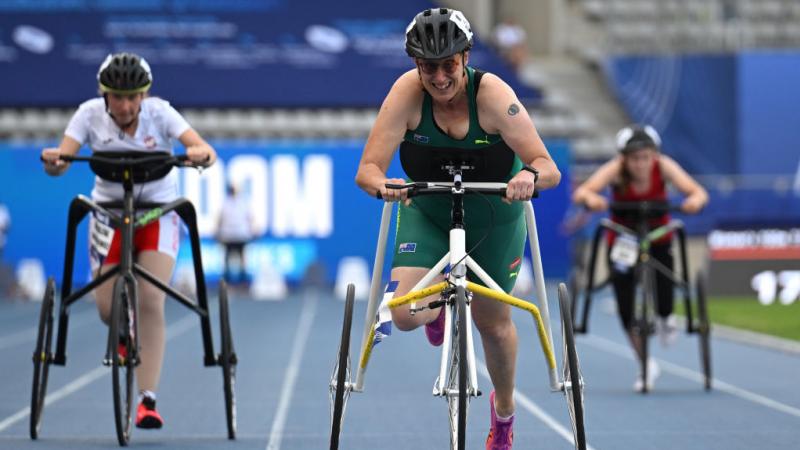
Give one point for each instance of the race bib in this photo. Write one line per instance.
(625, 250)
(101, 236)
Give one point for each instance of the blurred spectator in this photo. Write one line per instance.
(5, 224)
(510, 38)
(7, 282)
(234, 230)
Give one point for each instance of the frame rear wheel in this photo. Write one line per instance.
(340, 390)
(42, 358)
(573, 380)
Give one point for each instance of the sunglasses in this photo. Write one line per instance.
(430, 68)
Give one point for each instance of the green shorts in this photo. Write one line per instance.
(423, 239)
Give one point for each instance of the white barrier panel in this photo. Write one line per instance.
(352, 269)
(269, 284)
(524, 285)
(31, 279)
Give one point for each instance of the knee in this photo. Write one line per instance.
(404, 321)
(151, 300)
(496, 329)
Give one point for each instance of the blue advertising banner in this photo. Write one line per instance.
(691, 100)
(717, 114)
(304, 206)
(213, 53)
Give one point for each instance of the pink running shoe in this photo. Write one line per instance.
(501, 433)
(435, 330)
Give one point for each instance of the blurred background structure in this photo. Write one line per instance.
(287, 92)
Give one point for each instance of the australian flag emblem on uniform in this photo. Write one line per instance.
(407, 247)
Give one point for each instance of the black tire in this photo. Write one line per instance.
(643, 323)
(227, 359)
(704, 330)
(122, 369)
(42, 358)
(341, 373)
(572, 371)
(574, 284)
(463, 397)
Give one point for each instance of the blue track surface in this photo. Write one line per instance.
(286, 352)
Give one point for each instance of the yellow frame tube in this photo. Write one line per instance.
(394, 303)
(547, 347)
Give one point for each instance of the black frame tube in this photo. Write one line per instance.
(79, 208)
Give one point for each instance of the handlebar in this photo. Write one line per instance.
(132, 166)
(425, 188)
(643, 209)
(130, 161)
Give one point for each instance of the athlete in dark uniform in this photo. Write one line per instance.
(444, 103)
(641, 173)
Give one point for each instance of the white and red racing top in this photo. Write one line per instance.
(159, 125)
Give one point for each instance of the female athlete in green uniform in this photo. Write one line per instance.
(444, 103)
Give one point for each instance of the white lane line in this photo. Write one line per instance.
(29, 335)
(176, 329)
(300, 339)
(692, 375)
(524, 401)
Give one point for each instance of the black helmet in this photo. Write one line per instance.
(124, 73)
(635, 137)
(438, 33)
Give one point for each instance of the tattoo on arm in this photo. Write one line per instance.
(513, 109)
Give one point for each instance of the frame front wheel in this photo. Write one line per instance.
(122, 345)
(227, 359)
(339, 388)
(573, 380)
(42, 358)
(704, 330)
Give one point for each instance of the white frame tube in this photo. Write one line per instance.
(541, 290)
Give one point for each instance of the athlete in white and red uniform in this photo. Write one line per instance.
(125, 119)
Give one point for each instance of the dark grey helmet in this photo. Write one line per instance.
(438, 33)
(635, 137)
(124, 73)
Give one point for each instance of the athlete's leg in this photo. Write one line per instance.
(665, 289)
(500, 255)
(406, 278)
(103, 293)
(624, 285)
(151, 318)
(499, 337)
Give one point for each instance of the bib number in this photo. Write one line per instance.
(101, 236)
(625, 251)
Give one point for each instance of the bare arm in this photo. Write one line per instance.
(588, 193)
(198, 150)
(500, 111)
(394, 118)
(52, 164)
(696, 196)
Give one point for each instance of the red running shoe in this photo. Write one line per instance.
(501, 433)
(146, 415)
(435, 330)
(122, 351)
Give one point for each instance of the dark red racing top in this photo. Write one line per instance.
(657, 192)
